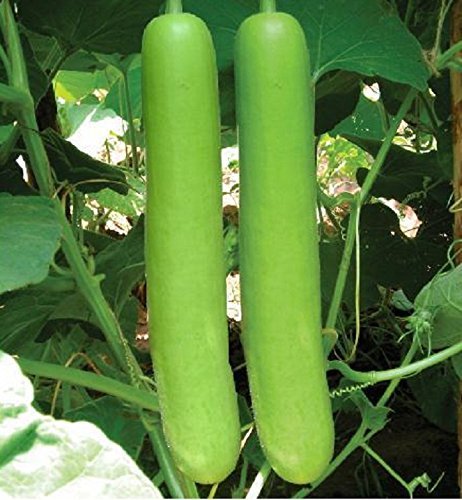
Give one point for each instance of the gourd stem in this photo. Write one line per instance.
(402, 371)
(174, 7)
(267, 5)
(96, 382)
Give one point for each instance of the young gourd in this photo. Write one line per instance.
(184, 246)
(279, 261)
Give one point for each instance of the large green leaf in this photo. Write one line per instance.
(52, 57)
(25, 312)
(442, 297)
(73, 166)
(362, 36)
(29, 237)
(106, 26)
(41, 456)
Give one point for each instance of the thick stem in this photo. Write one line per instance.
(26, 111)
(15, 54)
(90, 288)
(92, 381)
(387, 394)
(35, 149)
(174, 7)
(267, 5)
(343, 271)
(395, 373)
(13, 96)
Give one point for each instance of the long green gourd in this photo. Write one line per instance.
(279, 261)
(184, 246)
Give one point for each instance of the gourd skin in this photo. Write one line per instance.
(184, 248)
(279, 260)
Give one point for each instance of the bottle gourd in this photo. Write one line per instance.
(184, 247)
(279, 261)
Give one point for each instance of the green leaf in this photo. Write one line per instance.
(82, 61)
(115, 98)
(365, 122)
(443, 298)
(41, 456)
(11, 179)
(74, 85)
(401, 302)
(122, 264)
(37, 79)
(123, 63)
(105, 26)
(131, 205)
(18, 328)
(72, 116)
(223, 20)
(362, 36)
(436, 391)
(74, 307)
(120, 424)
(30, 233)
(456, 362)
(51, 57)
(338, 92)
(73, 166)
